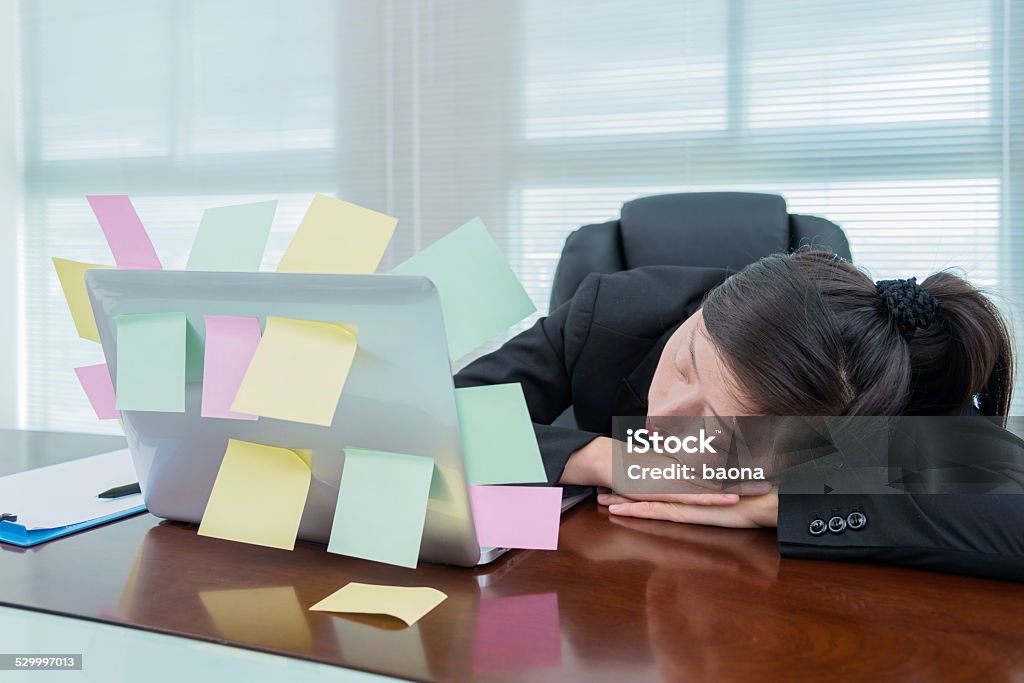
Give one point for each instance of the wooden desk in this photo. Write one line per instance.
(621, 600)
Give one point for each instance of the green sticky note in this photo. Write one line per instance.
(151, 362)
(382, 505)
(498, 441)
(232, 238)
(480, 295)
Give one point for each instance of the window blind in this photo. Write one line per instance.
(181, 105)
(899, 120)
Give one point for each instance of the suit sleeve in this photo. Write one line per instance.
(978, 534)
(536, 359)
(928, 526)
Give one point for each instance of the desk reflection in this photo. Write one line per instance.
(695, 635)
(637, 557)
(263, 603)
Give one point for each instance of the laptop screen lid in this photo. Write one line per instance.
(398, 396)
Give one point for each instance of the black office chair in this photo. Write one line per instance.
(710, 229)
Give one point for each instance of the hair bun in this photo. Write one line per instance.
(909, 304)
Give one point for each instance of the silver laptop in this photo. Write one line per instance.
(399, 394)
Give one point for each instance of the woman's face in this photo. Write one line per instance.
(691, 378)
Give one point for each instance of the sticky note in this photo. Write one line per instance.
(151, 362)
(410, 604)
(231, 342)
(498, 441)
(124, 232)
(480, 295)
(258, 496)
(298, 371)
(382, 505)
(267, 617)
(338, 237)
(516, 516)
(95, 380)
(517, 632)
(72, 280)
(232, 238)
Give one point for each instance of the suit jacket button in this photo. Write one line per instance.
(817, 527)
(837, 525)
(856, 520)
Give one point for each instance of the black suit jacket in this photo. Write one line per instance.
(598, 352)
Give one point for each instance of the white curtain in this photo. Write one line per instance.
(899, 119)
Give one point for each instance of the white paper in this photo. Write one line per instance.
(64, 494)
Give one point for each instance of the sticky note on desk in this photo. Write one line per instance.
(125, 233)
(498, 440)
(338, 237)
(516, 516)
(95, 380)
(232, 238)
(480, 295)
(258, 496)
(72, 280)
(231, 342)
(151, 362)
(408, 603)
(298, 371)
(382, 505)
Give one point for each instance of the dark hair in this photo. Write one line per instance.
(808, 334)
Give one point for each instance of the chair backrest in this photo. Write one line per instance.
(711, 229)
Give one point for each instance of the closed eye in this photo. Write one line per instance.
(679, 366)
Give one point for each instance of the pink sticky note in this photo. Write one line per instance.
(95, 379)
(517, 516)
(124, 232)
(517, 632)
(230, 342)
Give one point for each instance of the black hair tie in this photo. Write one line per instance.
(909, 304)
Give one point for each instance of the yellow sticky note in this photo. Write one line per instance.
(72, 280)
(409, 604)
(298, 371)
(338, 237)
(258, 496)
(268, 617)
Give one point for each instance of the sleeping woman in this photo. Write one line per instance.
(802, 334)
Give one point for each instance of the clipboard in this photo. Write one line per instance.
(16, 534)
(54, 501)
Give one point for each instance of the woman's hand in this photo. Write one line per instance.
(726, 509)
(590, 465)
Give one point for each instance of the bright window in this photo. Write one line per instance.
(901, 120)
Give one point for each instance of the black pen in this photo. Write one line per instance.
(121, 491)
